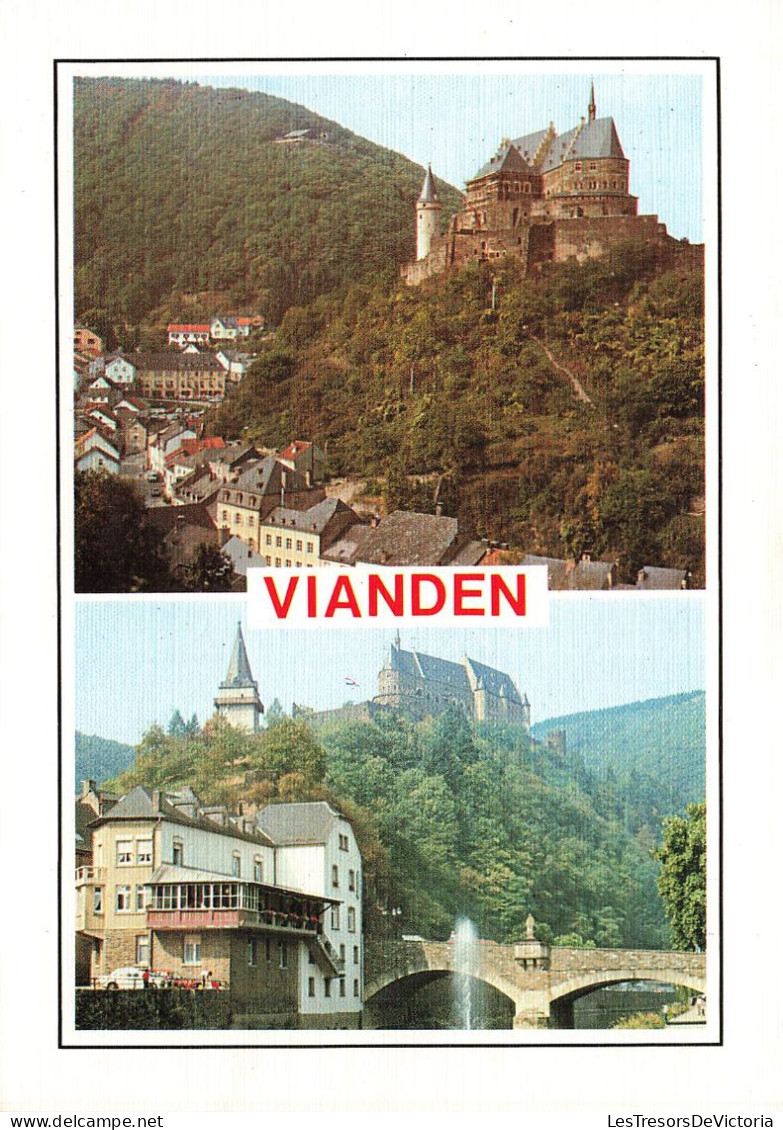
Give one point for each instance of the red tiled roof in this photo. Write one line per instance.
(176, 328)
(193, 446)
(295, 448)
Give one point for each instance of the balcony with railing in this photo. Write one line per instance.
(90, 875)
(232, 905)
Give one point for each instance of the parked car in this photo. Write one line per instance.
(132, 977)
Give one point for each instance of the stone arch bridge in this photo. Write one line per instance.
(542, 982)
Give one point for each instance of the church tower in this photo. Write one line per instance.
(428, 209)
(237, 699)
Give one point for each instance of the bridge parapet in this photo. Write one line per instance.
(565, 959)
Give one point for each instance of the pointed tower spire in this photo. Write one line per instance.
(429, 194)
(592, 107)
(239, 673)
(237, 699)
(428, 209)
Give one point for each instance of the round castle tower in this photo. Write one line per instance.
(428, 209)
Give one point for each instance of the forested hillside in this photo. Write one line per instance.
(100, 758)
(186, 204)
(567, 419)
(456, 818)
(660, 741)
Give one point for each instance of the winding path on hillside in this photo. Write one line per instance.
(577, 384)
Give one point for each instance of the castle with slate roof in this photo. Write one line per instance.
(422, 686)
(544, 197)
(418, 685)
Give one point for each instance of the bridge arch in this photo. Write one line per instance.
(580, 984)
(406, 998)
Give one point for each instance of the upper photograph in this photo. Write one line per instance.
(375, 317)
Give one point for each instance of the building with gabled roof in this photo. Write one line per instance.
(233, 899)
(419, 685)
(542, 197)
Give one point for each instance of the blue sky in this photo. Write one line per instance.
(456, 120)
(138, 660)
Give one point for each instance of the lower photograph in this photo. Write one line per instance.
(477, 835)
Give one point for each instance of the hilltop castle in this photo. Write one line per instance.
(421, 686)
(542, 198)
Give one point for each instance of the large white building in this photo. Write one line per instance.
(268, 903)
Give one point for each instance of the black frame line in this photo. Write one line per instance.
(341, 1046)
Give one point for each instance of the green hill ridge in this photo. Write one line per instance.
(187, 203)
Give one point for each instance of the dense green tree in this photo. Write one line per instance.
(177, 727)
(209, 570)
(683, 879)
(116, 548)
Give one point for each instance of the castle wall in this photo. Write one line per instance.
(592, 237)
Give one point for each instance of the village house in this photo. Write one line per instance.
(235, 363)
(267, 902)
(163, 441)
(298, 538)
(180, 463)
(243, 504)
(180, 376)
(305, 457)
(188, 333)
(405, 538)
(94, 451)
(86, 341)
(119, 369)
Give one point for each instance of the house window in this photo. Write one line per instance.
(356, 986)
(311, 986)
(258, 870)
(144, 851)
(335, 918)
(298, 545)
(191, 952)
(288, 543)
(278, 562)
(250, 520)
(356, 955)
(351, 880)
(342, 987)
(327, 986)
(97, 900)
(335, 875)
(142, 949)
(309, 547)
(343, 842)
(268, 951)
(123, 903)
(251, 951)
(278, 542)
(351, 919)
(342, 952)
(283, 955)
(288, 562)
(268, 539)
(238, 519)
(268, 560)
(236, 865)
(177, 853)
(141, 898)
(124, 851)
